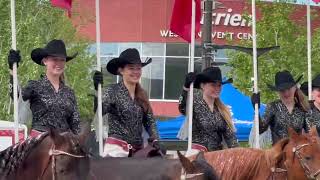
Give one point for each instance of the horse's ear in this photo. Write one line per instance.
(186, 163)
(276, 153)
(292, 133)
(55, 136)
(314, 131)
(85, 131)
(200, 156)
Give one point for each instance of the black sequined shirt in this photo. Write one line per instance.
(126, 122)
(208, 128)
(278, 118)
(314, 116)
(51, 109)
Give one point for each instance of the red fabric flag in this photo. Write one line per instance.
(63, 4)
(181, 18)
(316, 1)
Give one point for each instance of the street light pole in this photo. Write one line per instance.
(206, 33)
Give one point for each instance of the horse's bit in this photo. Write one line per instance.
(54, 152)
(304, 164)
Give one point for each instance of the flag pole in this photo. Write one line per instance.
(191, 69)
(14, 74)
(309, 50)
(255, 74)
(100, 123)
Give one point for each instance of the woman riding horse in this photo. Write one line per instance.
(126, 106)
(52, 102)
(211, 118)
(290, 111)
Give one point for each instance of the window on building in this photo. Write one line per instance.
(177, 49)
(176, 69)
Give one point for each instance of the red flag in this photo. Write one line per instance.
(63, 4)
(181, 18)
(316, 1)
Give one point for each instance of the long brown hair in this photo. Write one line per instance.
(142, 98)
(300, 100)
(225, 112)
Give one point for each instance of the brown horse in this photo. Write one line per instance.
(293, 158)
(49, 156)
(151, 169)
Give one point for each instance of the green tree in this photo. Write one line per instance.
(275, 27)
(37, 23)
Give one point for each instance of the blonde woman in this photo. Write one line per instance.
(212, 121)
(288, 111)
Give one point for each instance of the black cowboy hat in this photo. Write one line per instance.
(210, 74)
(284, 80)
(315, 84)
(55, 48)
(129, 56)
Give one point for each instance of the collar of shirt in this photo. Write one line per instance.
(47, 83)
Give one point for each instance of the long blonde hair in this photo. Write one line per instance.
(225, 112)
(301, 100)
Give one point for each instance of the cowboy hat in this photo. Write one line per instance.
(284, 80)
(129, 56)
(315, 84)
(55, 48)
(210, 74)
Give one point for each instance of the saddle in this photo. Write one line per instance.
(151, 150)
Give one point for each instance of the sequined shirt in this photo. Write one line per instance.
(278, 118)
(208, 128)
(51, 109)
(314, 116)
(126, 122)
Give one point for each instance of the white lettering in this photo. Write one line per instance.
(227, 19)
(235, 20)
(164, 33)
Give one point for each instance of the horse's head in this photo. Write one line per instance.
(300, 155)
(68, 158)
(198, 169)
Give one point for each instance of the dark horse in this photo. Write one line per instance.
(49, 156)
(151, 169)
(293, 158)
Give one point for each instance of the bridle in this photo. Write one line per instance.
(52, 154)
(304, 164)
(306, 168)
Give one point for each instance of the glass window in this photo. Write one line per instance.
(198, 51)
(152, 78)
(176, 69)
(107, 77)
(124, 46)
(177, 49)
(107, 49)
(153, 49)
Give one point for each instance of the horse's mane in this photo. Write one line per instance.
(232, 163)
(12, 157)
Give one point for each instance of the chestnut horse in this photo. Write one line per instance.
(110, 168)
(50, 156)
(293, 158)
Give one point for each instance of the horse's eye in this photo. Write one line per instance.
(308, 158)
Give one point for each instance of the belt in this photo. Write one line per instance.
(199, 147)
(125, 146)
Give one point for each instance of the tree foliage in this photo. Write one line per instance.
(37, 22)
(276, 27)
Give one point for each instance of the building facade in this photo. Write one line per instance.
(144, 24)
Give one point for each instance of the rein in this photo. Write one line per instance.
(303, 163)
(52, 154)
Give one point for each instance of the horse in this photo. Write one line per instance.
(151, 169)
(293, 158)
(49, 156)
